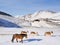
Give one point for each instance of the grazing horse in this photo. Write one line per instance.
(48, 33)
(19, 36)
(24, 32)
(34, 33)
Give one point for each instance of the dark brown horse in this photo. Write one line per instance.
(19, 36)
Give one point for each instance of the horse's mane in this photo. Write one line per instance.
(24, 34)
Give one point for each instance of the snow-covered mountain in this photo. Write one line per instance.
(40, 14)
(37, 19)
(44, 19)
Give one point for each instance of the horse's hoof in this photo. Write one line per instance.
(17, 41)
(21, 41)
(12, 42)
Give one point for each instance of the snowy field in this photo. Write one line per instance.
(54, 39)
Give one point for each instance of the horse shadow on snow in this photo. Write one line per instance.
(30, 40)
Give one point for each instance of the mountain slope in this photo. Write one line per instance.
(7, 20)
(52, 17)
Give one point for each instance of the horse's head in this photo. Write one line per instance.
(25, 35)
(51, 31)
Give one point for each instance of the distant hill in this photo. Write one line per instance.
(3, 13)
(7, 20)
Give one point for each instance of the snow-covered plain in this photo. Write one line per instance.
(6, 36)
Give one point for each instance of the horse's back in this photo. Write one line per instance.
(19, 35)
(23, 32)
(16, 35)
(47, 33)
(33, 33)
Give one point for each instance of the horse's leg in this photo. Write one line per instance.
(16, 40)
(12, 39)
(44, 34)
(21, 40)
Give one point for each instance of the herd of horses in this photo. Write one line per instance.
(24, 34)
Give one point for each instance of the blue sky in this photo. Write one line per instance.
(22, 7)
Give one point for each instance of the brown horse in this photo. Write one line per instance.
(24, 32)
(19, 36)
(35, 33)
(48, 33)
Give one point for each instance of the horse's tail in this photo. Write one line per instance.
(12, 38)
